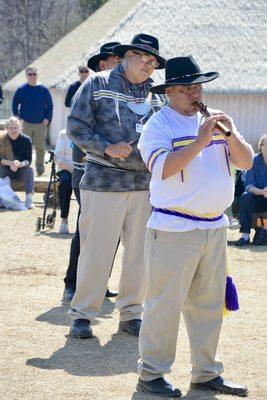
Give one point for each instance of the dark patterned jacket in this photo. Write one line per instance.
(100, 116)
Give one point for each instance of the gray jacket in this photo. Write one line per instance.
(100, 116)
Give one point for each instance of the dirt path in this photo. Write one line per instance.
(40, 361)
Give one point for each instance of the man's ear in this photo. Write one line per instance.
(168, 91)
(102, 65)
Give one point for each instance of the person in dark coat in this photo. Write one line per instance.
(106, 59)
(106, 119)
(83, 74)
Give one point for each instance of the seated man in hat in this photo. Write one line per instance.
(185, 249)
(105, 60)
(105, 120)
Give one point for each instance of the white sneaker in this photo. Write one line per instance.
(29, 203)
(64, 228)
(234, 224)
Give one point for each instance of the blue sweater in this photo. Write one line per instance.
(257, 175)
(32, 103)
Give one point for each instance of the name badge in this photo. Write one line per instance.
(139, 128)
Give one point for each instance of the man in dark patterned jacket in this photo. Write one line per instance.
(106, 120)
(103, 61)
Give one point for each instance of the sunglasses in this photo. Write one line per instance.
(84, 71)
(147, 59)
(32, 74)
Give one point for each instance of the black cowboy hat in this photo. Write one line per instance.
(183, 71)
(146, 43)
(105, 51)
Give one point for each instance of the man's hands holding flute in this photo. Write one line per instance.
(239, 151)
(207, 129)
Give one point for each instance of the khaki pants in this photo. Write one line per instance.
(186, 272)
(37, 133)
(106, 217)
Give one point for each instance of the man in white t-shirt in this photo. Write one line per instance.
(185, 249)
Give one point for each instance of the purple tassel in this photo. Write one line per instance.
(231, 296)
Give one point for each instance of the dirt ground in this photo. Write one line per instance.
(40, 361)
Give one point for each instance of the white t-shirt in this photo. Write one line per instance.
(63, 152)
(203, 190)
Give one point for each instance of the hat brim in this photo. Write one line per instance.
(194, 80)
(123, 48)
(92, 63)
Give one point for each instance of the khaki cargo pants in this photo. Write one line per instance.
(38, 134)
(186, 272)
(106, 217)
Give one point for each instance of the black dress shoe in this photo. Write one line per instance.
(68, 294)
(81, 329)
(158, 387)
(242, 242)
(132, 327)
(109, 293)
(221, 386)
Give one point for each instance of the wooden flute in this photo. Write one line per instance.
(221, 127)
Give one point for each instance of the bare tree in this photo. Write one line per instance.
(29, 28)
(89, 6)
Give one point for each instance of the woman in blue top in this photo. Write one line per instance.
(254, 199)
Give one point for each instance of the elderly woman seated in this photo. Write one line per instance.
(254, 199)
(16, 157)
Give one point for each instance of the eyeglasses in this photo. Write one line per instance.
(84, 71)
(190, 89)
(147, 59)
(32, 73)
(14, 127)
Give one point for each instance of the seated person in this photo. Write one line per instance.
(63, 159)
(254, 199)
(16, 157)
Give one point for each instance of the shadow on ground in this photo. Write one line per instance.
(251, 247)
(190, 395)
(89, 358)
(53, 234)
(59, 315)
